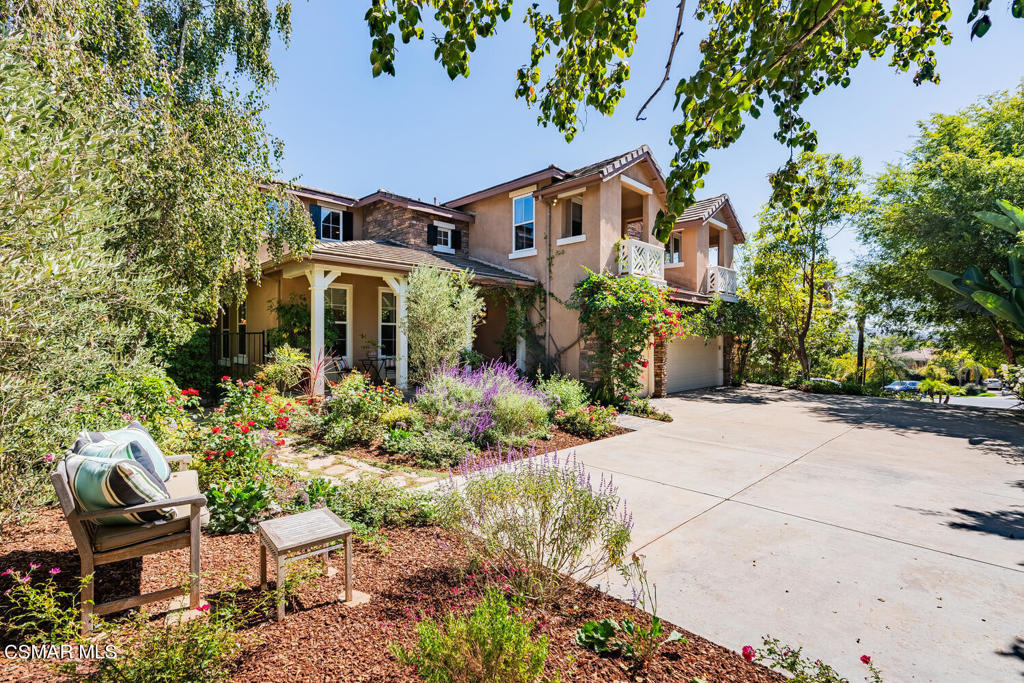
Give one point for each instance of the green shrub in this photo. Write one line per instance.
(775, 655)
(537, 521)
(641, 407)
(230, 450)
(189, 363)
(564, 392)
(37, 611)
(286, 367)
(588, 422)
(518, 417)
(434, 448)
(371, 502)
(237, 507)
(353, 412)
(248, 401)
(401, 415)
(972, 389)
(490, 645)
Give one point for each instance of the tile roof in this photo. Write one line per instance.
(414, 204)
(704, 209)
(610, 166)
(390, 254)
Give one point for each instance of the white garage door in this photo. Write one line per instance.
(694, 362)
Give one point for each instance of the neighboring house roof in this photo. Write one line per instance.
(608, 168)
(551, 171)
(315, 194)
(391, 254)
(919, 355)
(704, 209)
(415, 205)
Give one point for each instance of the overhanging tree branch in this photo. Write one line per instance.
(668, 65)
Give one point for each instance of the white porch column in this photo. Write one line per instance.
(319, 280)
(400, 286)
(521, 354)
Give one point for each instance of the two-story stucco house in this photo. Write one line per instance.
(541, 229)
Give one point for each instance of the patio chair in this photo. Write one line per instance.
(336, 369)
(105, 544)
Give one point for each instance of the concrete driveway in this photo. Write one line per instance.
(845, 525)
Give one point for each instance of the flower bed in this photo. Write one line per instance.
(321, 639)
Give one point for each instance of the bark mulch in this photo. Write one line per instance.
(560, 440)
(423, 574)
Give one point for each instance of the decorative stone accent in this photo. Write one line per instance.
(727, 359)
(385, 221)
(660, 370)
(589, 346)
(635, 229)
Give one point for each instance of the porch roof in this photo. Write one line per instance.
(396, 256)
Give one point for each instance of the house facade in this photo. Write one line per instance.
(538, 231)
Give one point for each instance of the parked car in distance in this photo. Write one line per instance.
(825, 379)
(902, 386)
(993, 384)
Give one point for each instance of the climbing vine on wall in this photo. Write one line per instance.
(625, 315)
(520, 304)
(293, 323)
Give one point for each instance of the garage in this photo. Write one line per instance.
(693, 363)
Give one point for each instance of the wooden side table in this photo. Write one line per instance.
(296, 537)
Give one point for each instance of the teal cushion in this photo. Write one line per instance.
(104, 483)
(112, 450)
(147, 451)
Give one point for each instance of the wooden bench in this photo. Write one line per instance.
(105, 544)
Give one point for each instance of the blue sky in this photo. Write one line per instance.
(422, 135)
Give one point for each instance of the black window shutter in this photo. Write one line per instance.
(456, 239)
(314, 213)
(346, 226)
(431, 235)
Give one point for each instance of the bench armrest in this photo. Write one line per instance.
(181, 458)
(196, 501)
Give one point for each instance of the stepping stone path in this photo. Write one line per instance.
(315, 460)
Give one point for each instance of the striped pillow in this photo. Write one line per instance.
(104, 483)
(146, 450)
(112, 450)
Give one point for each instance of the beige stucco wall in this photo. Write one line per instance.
(491, 241)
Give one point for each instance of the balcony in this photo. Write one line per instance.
(642, 259)
(722, 281)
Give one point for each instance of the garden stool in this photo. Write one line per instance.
(306, 534)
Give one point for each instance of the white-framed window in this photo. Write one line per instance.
(573, 218)
(387, 326)
(338, 314)
(673, 250)
(330, 225)
(522, 223)
(224, 329)
(242, 355)
(444, 240)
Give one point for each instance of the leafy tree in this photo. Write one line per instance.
(442, 311)
(791, 276)
(885, 354)
(755, 56)
(922, 217)
(195, 169)
(70, 312)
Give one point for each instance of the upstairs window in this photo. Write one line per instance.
(673, 250)
(522, 210)
(330, 226)
(573, 226)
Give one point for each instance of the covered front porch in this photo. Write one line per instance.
(355, 295)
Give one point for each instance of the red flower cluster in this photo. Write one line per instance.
(190, 392)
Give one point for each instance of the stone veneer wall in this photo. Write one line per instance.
(660, 370)
(383, 220)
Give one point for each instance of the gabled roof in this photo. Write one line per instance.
(705, 209)
(316, 194)
(393, 255)
(414, 204)
(608, 168)
(551, 171)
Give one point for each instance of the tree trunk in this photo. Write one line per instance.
(1011, 356)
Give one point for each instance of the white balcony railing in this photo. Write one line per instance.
(641, 258)
(721, 280)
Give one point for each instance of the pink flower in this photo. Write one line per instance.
(33, 566)
(55, 570)
(865, 658)
(203, 608)
(749, 653)
(7, 572)
(49, 457)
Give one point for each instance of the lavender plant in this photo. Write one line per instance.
(536, 521)
(490, 404)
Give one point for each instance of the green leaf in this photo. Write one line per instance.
(981, 27)
(675, 636)
(1000, 307)
(1013, 212)
(998, 220)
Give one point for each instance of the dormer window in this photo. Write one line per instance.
(332, 225)
(444, 237)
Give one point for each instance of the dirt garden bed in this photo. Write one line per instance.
(420, 575)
